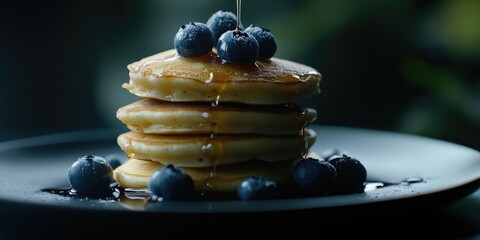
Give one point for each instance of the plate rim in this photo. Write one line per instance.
(465, 187)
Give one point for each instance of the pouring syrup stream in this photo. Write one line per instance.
(213, 150)
(239, 15)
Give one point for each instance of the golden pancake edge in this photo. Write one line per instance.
(136, 173)
(151, 116)
(197, 151)
(170, 77)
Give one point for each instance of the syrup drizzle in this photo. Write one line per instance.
(213, 149)
(264, 70)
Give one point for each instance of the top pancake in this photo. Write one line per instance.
(170, 77)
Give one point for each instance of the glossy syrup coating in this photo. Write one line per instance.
(170, 77)
(210, 69)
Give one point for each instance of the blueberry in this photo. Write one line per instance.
(171, 183)
(314, 176)
(90, 174)
(351, 174)
(220, 22)
(115, 160)
(237, 46)
(257, 188)
(193, 39)
(266, 40)
(331, 152)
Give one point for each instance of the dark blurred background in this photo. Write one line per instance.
(409, 66)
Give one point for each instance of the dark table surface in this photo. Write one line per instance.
(460, 219)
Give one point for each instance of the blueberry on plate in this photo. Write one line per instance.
(193, 39)
(257, 188)
(266, 41)
(314, 176)
(220, 22)
(115, 160)
(90, 174)
(171, 183)
(237, 46)
(351, 174)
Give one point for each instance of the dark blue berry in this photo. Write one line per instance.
(266, 41)
(257, 188)
(171, 183)
(220, 22)
(314, 176)
(332, 152)
(193, 39)
(237, 46)
(115, 160)
(351, 174)
(90, 174)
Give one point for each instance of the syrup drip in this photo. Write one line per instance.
(304, 122)
(213, 149)
(293, 95)
(264, 70)
(209, 69)
(126, 146)
(304, 148)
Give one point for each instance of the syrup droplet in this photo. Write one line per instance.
(210, 80)
(373, 185)
(213, 149)
(411, 180)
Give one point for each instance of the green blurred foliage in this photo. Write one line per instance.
(446, 68)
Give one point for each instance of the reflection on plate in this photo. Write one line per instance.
(410, 167)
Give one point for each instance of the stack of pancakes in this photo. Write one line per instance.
(220, 122)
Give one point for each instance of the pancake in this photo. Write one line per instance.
(203, 150)
(153, 116)
(136, 174)
(170, 77)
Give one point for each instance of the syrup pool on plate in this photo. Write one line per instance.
(139, 199)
